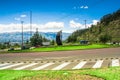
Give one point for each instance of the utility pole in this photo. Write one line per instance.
(22, 31)
(30, 23)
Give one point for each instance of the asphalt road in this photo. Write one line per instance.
(63, 55)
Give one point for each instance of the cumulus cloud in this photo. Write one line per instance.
(23, 15)
(95, 22)
(74, 24)
(42, 27)
(54, 25)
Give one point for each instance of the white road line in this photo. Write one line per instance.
(11, 65)
(4, 64)
(80, 65)
(26, 66)
(115, 62)
(61, 66)
(43, 66)
(98, 64)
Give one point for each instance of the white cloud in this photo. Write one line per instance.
(17, 19)
(84, 7)
(95, 22)
(74, 24)
(23, 15)
(54, 25)
(48, 27)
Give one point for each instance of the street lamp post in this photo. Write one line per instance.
(85, 28)
(30, 23)
(22, 32)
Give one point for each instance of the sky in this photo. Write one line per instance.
(53, 15)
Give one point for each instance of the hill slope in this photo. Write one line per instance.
(109, 24)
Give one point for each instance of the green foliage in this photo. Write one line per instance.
(109, 24)
(2, 46)
(104, 38)
(45, 40)
(36, 39)
(52, 42)
(74, 35)
(110, 17)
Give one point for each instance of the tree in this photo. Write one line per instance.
(36, 39)
(52, 42)
(44, 39)
(104, 38)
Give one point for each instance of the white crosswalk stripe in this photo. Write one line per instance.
(80, 65)
(11, 65)
(26, 66)
(43, 66)
(3, 64)
(98, 64)
(61, 66)
(115, 62)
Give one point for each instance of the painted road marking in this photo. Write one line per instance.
(115, 62)
(43, 66)
(11, 65)
(1, 65)
(98, 64)
(26, 66)
(61, 66)
(80, 65)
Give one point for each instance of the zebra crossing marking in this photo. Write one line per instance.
(26, 66)
(43, 66)
(3, 64)
(61, 66)
(115, 62)
(80, 65)
(11, 65)
(98, 64)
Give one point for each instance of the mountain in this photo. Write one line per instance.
(16, 36)
(109, 25)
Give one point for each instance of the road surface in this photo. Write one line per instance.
(93, 54)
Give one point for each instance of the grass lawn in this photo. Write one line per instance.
(68, 47)
(84, 74)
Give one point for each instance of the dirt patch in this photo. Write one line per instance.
(71, 77)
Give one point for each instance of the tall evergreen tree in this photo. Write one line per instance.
(36, 39)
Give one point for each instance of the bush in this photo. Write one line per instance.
(105, 38)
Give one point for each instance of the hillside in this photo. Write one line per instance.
(108, 25)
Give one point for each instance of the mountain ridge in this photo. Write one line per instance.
(16, 36)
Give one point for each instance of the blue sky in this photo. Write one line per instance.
(53, 15)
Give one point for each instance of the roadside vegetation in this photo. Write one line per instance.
(83, 74)
(64, 48)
